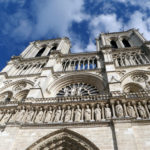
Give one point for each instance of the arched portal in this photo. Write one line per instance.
(63, 139)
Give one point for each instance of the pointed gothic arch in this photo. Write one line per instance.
(63, 139)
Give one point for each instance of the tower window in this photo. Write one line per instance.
(113, 44)
(52, 49)
(126, 43)
(40, 52)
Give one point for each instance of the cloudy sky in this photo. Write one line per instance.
(23, 21)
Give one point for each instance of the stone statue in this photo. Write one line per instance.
(107, 112)
(79, 91)
(66, 91)
(67, 114)
(30, 115)
(87, 113)
(20, 114)
(13, 115)
(57, 114)
(77, 114)
(119, 110)
(97, 113)
(73, 90)
(141, 110)
(48, 115)
(6, 118)
(39, 116)
(130, 110)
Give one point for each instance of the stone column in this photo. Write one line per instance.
(103, 115)
(125, 109)
(62, 114)
(136, 112)
(72, 113)
(82, 115)
(92, 108)
(113, 110)
(145, 106)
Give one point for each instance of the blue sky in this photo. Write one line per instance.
(23, 21)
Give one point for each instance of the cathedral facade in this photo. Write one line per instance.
(51, 99)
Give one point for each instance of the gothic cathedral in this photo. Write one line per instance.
(52, 99)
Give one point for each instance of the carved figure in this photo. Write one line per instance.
(73, 90)
(57, 114)
(130, 110)
(66, 91)
(87, 113)
(97, 113)
(79, 91)
(141, 110)
(77, 114)
(30, 115)
(119, 110)
(67, 114)
(20, 115)
(107, 112)
(6, 118)
(48, 115)
(39, 116)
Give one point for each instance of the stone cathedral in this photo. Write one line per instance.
(52, 99)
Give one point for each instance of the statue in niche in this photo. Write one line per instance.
(141, 110)
(130, 110)
(48, 115)
(39, 116)
(67, 114)
(6, 117)
(87, 113)
(66, 91)
(57, 114)
(20, 114)
(77, 114)
(13, 115)
(107, 112)
(73, 90)
(30, 115)
(119, 110)
(79, 93)
(97, 113)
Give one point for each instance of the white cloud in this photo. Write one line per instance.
(105, 23)
(140, 21)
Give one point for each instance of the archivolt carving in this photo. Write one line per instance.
(6, 96)
(62, 82)
(20, 86)
(132, 87)
(63, 139)
(140, 77)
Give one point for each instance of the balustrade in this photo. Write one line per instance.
(130, 59)
(81, 64)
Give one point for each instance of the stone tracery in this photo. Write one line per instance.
(78, 89)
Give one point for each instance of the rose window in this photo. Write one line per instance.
(78, 89)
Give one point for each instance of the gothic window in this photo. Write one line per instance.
(41, 51)
(54, 47)
(6, 97)
(113, 44)
(126, 43)
(78, 89)
(132, 88)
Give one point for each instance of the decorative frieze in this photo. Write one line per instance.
(75, 112)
